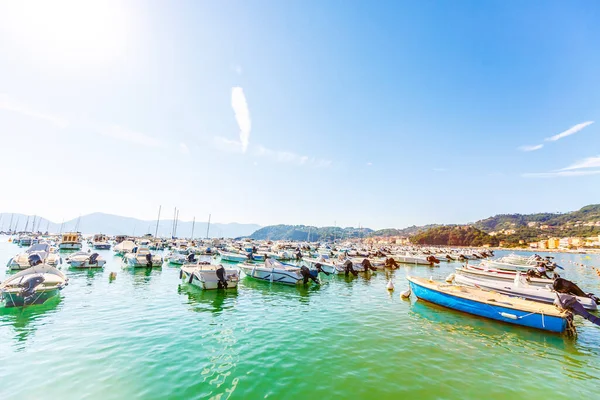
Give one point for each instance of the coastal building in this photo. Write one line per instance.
(542, 244)
(553, 243)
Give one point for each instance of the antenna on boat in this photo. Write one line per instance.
(193, 224)
(208, 227)
(157, 222)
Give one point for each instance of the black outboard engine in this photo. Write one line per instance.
(569, 302)
(34, 259)
(191, 258)
(349, 269)
(94, 259)
(250, 257)
(367, 265)
(561, 285)
(319, 268)
(221, 276)
(149, 260)
(391, 263)
(433, 260)
(306, 274)
(29, 287)
(298, 255)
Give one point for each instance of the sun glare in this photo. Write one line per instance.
(66, 30)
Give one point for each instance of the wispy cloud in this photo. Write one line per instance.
(571, 131)
(9, 104)
(183, 148)
(590, 162)
(531, 148)
(369, 164)
(290, 157)
(127, 135)
(227, 145)
(559, 174)
(242, 115)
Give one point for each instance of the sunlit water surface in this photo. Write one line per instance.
(146, 335)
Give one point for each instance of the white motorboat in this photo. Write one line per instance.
(46, 253)
(519, 288)
(233, 257)
(125, 247)
(479, 271)
(34, 285)
(276, 272)
(209, 276)
(100, 242)
(82, 259)
(141, 257)
(408, 258)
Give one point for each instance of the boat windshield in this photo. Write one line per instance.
(36, 248)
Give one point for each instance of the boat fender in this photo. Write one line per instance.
(390, 286)
(406, 294)
(450, 278)
(191, 278)
(509, 316)
(180, 274)
(149, 260)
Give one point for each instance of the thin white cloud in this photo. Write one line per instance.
(127, 135)
(561, 174)
(242, 115)
(227, 145)
(571, 131)
(590, 162)
(369, 164)
(184, 148)
(531, 148)
(289, 157)
(9, 104)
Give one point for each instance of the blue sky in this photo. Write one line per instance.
(386, 114)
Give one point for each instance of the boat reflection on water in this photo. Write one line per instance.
(452, 322)
(25, 320)
(277, 290)
(142, 276)
(86, 273)
(214, 301)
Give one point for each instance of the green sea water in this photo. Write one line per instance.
(145, 335)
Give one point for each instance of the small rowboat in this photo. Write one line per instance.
(492, 305)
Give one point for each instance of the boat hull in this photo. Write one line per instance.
(102, 246)
(207, 280)
(14, 299)
(70, 246)
(495, 312)
(269, 275)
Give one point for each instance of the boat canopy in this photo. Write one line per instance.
(39, 248)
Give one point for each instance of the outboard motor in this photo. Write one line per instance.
(34, 259)
(29, 287)
(306, 274)
(367, 265)
(250, 257)
(391, 263)
(298, 255)
(319, 268)
(149, 260)
(348, 268)
(93, 259)
(433, 260)
(191, 258)
(221, 276)
(449, 257)
(561, 285)
(569, 302)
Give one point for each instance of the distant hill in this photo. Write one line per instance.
(449, 235)
(118, 225)
(411, 230)
(302, 232)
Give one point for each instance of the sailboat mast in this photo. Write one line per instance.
(61, 226)
(157, 222)
(26, 224)
(47, 225)
(208, 227)
(176, 222)
(173, 224)
(193, 223)
(33, 225)
(11, 221)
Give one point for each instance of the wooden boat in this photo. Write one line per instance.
(492, 305)
(34, 285)
(209, 276)
(519, 288)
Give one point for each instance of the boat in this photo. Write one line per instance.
(233, 257)
(124, 247)
(408, 258)
(178, 257)
(519, 288)
(499, 275)
(70, 241)
(209, 276)
(81, 259)
(34, 285)
(45, 252)
(141, 257)
(276, 272)
(100, 242)
(492, 305)
(25, 240)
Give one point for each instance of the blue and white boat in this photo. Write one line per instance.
(492, 305)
